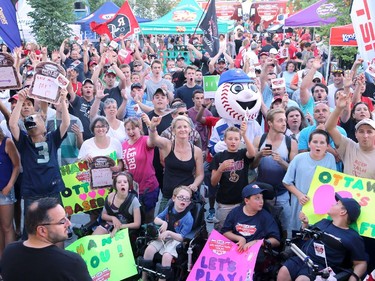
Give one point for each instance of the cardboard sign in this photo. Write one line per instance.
(100, 172)
(8, 74)
(322, 193)
(278, 83)
(78, 195)
(220, 260)
(44, 85)
(106, 258)
(210, 85)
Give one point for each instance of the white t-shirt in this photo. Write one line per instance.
(90, 148)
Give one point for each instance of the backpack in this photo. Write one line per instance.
(288, 142)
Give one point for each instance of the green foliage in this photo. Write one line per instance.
(50, 21)
(95, 4)
(162, 7)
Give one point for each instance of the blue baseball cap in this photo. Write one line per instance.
(234, 75)
(352, 207)
(251, 189)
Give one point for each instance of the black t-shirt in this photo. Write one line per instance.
(114, 93)
(186, 94)
(234, 179)
(21, 263)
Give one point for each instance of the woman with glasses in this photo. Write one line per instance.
(101, 145)
(138, 155)
(183, 160)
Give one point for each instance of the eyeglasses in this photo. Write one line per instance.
(183, 113)
(137, 65)
(183, 199)
(321, 101)
(61, 222)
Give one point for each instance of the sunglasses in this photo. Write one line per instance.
(183, 113)
(316, 80)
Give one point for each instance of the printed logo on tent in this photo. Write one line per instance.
(119, 25)
(107, 16)
(184, 15)
(326, 9)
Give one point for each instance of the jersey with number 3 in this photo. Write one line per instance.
(41, 173)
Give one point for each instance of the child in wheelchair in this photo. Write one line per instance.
(330, 249)
(249, 222)
(175, 223)
(121, 208)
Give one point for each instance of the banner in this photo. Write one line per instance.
(210, 83)
(322, 196)
(210, 30)
(363, 19)
(220, 260)
(78, 195)
(8, 25)
(106, 258)
(123, 22)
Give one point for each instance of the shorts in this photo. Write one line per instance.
(297, 267)
(212, 190)
(148, 200)
(9, 199)
(168, 246)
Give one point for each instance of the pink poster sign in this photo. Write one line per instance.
(220, 260)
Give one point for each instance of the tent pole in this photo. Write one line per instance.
(328, 63)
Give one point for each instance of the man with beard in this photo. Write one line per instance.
(38, 258)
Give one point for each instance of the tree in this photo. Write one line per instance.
(50, 21)
(162, 7)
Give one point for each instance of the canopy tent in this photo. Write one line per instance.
(104, 13)
(340, 36)
(313, 16)
(183, 19)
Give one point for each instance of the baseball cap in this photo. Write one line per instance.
(92, 63)
(276, 98)
(365, 121)
(110, 71)
(287, 41)
(351, 206)
(274, 51)
(234, 75)
(159, 91)
(263, 54)
(251, 189)
(87, 80)
(136, 85)
(13, 98)
(221, 60)
(179, 57)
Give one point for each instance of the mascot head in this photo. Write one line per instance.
(237, 98)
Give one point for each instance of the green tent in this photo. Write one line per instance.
(183, 19)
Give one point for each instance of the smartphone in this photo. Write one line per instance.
(268, 146)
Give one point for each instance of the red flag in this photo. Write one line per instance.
(123, 22)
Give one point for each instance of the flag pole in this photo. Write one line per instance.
(204, 11)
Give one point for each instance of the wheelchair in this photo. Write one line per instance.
(188, 250)
(342, 272)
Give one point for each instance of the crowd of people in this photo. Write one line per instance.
(151, 110)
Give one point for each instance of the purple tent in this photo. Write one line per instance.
(313, 16)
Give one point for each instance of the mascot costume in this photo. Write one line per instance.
(237, 99)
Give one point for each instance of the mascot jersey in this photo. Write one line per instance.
(237, 99)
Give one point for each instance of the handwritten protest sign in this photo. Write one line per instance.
(322, 196)
(220, 260)
(78, 195)
(44, 86)
(8, 74)
(106, 258)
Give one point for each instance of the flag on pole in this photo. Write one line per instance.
(123, 22)
(210, 30)
(8, 25)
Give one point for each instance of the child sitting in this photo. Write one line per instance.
(248, 223)
(175, 223)
(121, 208)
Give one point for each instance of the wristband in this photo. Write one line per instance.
(151, 130)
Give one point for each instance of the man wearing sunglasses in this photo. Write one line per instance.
(38, 258)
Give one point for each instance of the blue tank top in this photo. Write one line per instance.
(6, 166)
(177, 172)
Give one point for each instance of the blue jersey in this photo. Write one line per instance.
(41, 172)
